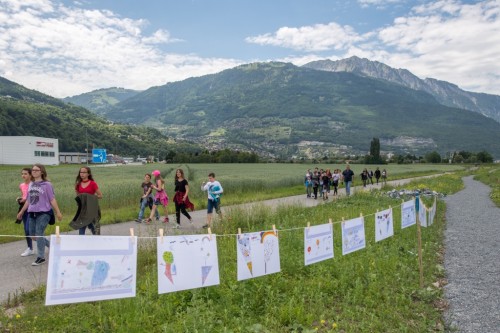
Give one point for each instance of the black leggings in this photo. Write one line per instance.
(181, 208)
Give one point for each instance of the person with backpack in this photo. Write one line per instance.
(147, 198)
(214, 191)
(40, 205)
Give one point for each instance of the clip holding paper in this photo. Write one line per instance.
(330, 221)
(161, 235)
(58, 236)
(308, 225)
(132, 234)
(274, 230)
(209, 233)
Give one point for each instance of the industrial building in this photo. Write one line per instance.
(28, 150)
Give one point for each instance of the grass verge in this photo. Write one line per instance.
(372, 290)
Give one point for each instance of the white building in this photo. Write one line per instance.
(28, 150)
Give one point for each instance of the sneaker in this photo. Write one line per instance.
(39, 261)
(27, 252)
(191, 221)
(177, 226)
(205, 226)
(165, 220)
(138, 220)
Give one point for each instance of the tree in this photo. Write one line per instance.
(484, 157)
(433, 157)
(375, 149)
(374, 157)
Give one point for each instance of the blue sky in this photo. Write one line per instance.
(66, 47)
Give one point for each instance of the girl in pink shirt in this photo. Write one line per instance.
(26, 175)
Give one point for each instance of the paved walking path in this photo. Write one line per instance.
(472, 260)
(18, 274)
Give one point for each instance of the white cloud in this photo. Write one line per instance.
(66, 51)
(447, 40)
(319, 37)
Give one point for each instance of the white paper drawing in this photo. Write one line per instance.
(384, 225)
(408, 216)
(422, 214)
(257, 254)
(353, 235)
(318, 243)
(187, 262)
(91, 268)
(432, 213)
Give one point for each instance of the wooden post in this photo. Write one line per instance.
(419, 238)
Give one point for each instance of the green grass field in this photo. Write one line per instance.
(372, 290)
(121, 189)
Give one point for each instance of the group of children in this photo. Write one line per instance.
(181, 197)
(38, 206)
(320, 181)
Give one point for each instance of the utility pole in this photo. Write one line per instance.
(87, 149)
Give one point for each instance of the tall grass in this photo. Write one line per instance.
(372, 290)
(121, 189)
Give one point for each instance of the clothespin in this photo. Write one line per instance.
(239, 233)
(390, 207)
(209, 233)
(58, 238)
(361, 214)
(161, 235)
(132, 234)
(308, 225)
(274, 230)
(330, 221)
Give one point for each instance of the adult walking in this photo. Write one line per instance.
(348, 175)
(26, 175)
(364, 177)
(214, 190)
(85, 184)
(384, 177)
(147, 198)
(181, 198)
(377, 174)
(39, 204)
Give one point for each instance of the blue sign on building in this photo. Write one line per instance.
(99, 156)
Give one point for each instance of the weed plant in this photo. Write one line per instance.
(375, 289)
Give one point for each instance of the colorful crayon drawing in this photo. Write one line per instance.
(187, 262)
(258, 254)
(318, 243)
(408, 216)
(91, 268)
(384, 225)
(353, 235)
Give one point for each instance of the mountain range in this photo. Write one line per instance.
(445, 93)
(26, 112)
(321, 109)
